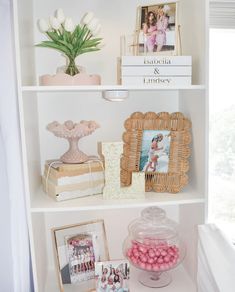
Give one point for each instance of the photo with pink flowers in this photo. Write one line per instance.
(81, 257)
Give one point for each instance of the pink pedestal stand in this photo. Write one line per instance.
(73, 132)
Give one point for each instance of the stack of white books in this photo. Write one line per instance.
(156, 70)
(69, 181)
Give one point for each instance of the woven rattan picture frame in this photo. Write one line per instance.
(165, 165)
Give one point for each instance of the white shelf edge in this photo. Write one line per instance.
(43, 203)
(180, 282)
(99, 88)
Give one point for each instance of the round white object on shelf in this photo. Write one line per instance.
(115, 95)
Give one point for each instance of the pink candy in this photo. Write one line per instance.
(143, 259)
(166, 259)
(156, 267)
(129, 253)
(151, 253)
(150, 260)
(142, 265)
(153, 257)
(148, 267)
(142, 249)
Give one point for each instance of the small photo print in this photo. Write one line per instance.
(112, 276)
(155, 151)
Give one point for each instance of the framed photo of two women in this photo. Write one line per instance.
(157, 27)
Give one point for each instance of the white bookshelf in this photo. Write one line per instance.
(39, 105)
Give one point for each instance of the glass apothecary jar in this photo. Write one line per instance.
(154, 246)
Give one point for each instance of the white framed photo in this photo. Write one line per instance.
(112, 276)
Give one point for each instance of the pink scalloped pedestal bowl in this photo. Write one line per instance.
(65, 79)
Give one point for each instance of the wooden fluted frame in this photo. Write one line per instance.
(179, 126)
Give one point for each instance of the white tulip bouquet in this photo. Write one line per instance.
(72, 40)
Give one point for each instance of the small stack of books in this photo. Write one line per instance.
(68, 181)
(156, 70)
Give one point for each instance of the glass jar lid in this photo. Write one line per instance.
(153, 225)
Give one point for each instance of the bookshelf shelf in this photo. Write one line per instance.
(42, 203)
(180, 282)
(100, 88)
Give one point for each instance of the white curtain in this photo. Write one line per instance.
(222, 13)
(15, 269)
(216, 261)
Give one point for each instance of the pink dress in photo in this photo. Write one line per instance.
(162, 25)
(151, 39)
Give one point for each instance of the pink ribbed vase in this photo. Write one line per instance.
(65, 79)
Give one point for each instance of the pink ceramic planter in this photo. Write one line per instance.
(65, 79)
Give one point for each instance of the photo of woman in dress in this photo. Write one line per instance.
(162, 25)
(158, 27)
(155, 151)
(150, 30)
